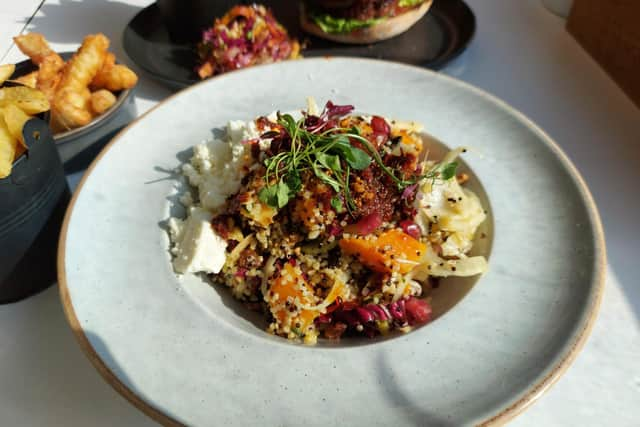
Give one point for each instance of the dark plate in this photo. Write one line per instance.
(443, 33)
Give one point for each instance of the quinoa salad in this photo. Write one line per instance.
(331, 224)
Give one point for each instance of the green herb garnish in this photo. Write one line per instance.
(331, 24)
(409, 3)
(322, 153)
(448, 171)
(331, 157)
(336, 203)
(275, 195)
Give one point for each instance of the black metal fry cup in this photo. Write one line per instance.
(33, 200)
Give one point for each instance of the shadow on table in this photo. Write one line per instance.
(90, 17)
(46, 375)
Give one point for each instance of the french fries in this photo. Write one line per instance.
(101, 100)
(17, 104)
(82, 88)
(100, 78)
(75, 92)
(8, 147)
(49, 75)
(70, 107)
(114, 77)
(35, 46)
(6, 71)
(29, 80)
(29, 100)
(14, 119)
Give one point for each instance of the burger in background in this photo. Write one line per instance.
(361, 21)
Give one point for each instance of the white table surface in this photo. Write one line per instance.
(522, 54)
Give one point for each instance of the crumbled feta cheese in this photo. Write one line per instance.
(216, 171)
(273, 117)
(217, 166)
(197, 248)
(239, 131)
(176, 226)
(186, 199)
(192, 174)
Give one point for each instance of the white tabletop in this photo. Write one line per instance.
(521, 53)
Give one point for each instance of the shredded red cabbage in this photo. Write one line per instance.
(245, 36)
(365, 319)
(365, 225)
(411, 228)
(409, 191)
(333, 111)
(328, 119)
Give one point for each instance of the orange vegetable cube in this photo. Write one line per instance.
(290, 285)
(305, 211)
(392, 250)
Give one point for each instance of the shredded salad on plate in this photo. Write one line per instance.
(244, 36)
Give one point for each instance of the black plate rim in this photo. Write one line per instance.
(436, 64)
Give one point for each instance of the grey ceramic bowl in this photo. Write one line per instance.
(78, 147)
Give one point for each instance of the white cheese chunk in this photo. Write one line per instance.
(215, 170)
(239, 131)
(197, 248)
(217, 166)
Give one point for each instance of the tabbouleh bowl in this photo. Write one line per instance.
(330, 223)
